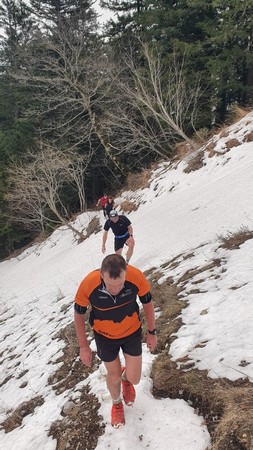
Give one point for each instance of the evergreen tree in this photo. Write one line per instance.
(214, 36)
(16, 132)
(231, 64)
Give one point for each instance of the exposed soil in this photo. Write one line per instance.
(81, 425)
(226, 406)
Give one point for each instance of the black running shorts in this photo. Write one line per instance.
(108, 349)
(119, 242)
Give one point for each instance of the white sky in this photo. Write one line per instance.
(104, 14)
(179, 214)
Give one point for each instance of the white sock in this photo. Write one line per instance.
(123, 376)
(116, 402)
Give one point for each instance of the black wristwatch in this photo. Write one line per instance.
(154, 331)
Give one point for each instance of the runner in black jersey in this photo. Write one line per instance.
(123, 232)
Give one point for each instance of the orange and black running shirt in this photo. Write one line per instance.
(113, 316)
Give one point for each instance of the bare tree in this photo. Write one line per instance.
(76, 168)
(154, 106)
(36, 185)
(71, 85)
(117, 110)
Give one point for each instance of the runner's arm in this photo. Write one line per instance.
(104, 239)
(130, 230)
(149, 312)
(85, 351)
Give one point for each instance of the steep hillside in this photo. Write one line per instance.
(193, 226)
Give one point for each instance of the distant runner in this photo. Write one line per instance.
(111, 293)
(109, 206)
(103, 200)
(123, 232)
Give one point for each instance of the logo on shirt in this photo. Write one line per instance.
(125, 293)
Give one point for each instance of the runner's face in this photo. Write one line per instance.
(114, 285)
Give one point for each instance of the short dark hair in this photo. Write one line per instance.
(113, 264)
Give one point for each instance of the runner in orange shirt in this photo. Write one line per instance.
(111, 294)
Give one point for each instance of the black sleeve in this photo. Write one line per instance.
(126, 221)
(146, 298)
(107, 225)
(80, 309)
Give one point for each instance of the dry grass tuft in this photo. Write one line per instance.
(94, 226)
(166, 300)
(233, 240)
(202, 135)
(81, 422)
(235, 429)
(137, 180)
(134, 182)
(15, 418)
(224, 133)
(248, 137)
(226, 406)
(191, 273)
(210, 149)
(128, 206)
(237, 113)
(182, 149)
(71, 370)
(232, 143)
(195, 163)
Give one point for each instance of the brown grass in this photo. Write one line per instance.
(234, 240)
(71, 370)
(81, 424)
(166, 299)
(226, 406)
(248, 137)
(195, 162)
(202, 135)
(137, 180)
(182, 149)
(15, 418)
(128, 206)
(224, 133)
(232, 143)
(94, 226)
(134, 182)
(237, 113)
(193, 272)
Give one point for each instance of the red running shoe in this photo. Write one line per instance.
(128, 391)
(118, 416)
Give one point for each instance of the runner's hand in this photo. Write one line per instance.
(85, 356)
(103, 249)
(151, 341)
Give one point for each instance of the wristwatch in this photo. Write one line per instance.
(154, 331)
